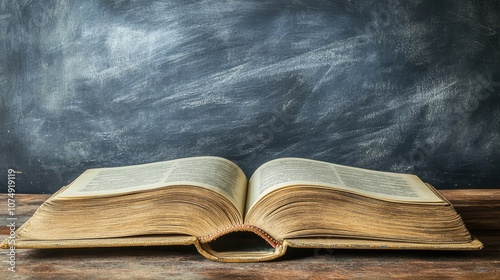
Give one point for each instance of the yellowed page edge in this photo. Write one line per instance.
(213, 173)
(284, 172)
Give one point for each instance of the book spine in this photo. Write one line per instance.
(242, 227)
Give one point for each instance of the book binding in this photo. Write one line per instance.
(277, 248)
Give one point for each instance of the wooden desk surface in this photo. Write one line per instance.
(480, 210)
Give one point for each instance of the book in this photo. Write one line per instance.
(288, 202)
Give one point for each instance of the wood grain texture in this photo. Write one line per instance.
(479, 208)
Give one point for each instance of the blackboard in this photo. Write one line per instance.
(404, 86)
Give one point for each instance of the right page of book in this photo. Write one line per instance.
(279, 173)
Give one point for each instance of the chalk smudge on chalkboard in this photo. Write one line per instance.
(388, 85)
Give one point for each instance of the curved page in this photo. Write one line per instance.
(285, 172)
(214, 173)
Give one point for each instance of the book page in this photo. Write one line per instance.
(214, 173)
(295, 171)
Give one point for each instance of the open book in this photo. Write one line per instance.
(288, 202)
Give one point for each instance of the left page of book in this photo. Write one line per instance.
(214, 173)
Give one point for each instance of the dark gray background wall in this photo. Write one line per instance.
(406, 86)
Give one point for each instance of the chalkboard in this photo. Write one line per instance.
(404, 86)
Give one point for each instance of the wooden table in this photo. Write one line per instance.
(480, 210)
